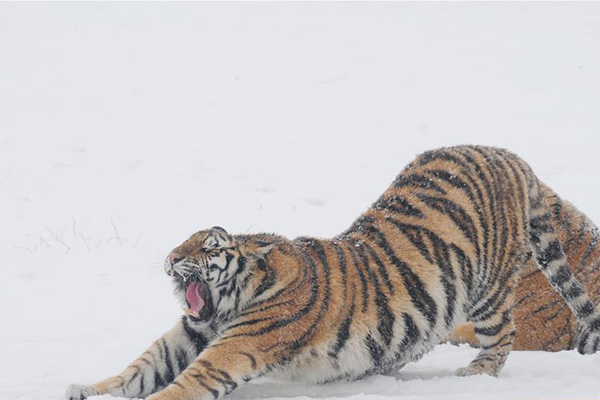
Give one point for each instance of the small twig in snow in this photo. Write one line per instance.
(23, 248)
(85, 242)
(116, 232)
(43, 242)
(58, 239)
(137, 241)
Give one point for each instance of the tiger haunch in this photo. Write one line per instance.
(543, 320)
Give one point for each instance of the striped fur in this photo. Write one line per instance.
(445, 244)
(543, 321)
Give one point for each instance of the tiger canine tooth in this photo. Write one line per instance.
(191, 312)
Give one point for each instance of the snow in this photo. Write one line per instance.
(126, 127)
(529, 375)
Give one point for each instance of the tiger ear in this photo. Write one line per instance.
(263, 248)
(258, 247)
(217, 237)
(218, 228)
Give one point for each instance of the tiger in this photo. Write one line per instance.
(543, 321)
(445, 244)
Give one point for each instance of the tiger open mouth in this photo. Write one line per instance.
(199, 301)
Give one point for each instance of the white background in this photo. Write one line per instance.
(124, 128)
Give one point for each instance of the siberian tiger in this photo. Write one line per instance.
(543, 321)
(445, 244)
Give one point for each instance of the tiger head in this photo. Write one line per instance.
(211, 270)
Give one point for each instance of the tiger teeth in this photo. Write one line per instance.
(191, 312)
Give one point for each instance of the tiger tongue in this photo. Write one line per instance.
(194, 297)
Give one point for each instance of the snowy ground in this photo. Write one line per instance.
(126, 127)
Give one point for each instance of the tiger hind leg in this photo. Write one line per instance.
(495, 331)
(552, 261)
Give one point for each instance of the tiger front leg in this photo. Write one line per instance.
(221, 368)
(154, 369)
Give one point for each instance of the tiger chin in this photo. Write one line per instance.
(444, 245)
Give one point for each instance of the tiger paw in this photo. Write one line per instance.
(467, 371)
(80, 392)
(477, 369)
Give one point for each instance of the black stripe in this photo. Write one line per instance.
(448, 278)
(224, 379)
(159, 382)
(489, 209)
(318, 248)
(142, 383)
(439, 256)
(267, 282)
(178, 384)
(440, 154)
(477, 198)
(413, 284)
(552, 317)
(385, 317)
(341, 257)
(493, 302)
(196, 338)
(591, 245)
(466, 267)
(251, 358)
(381, 268)
(411, 333)
(548, 254)
(545, 307)
(299, 281)
(181, 358)
(169, 364)
(375, 350)
(498, 342)
(363, 280)
(561, 275)
(574, 291)
(417, 181)
(495, 200)
(582, 342)
(228, 385)
(493, 330)
(414, 234)
(456, 213)
(343, 333)
(584, 310)
(398, 205)
(200, 379)
(507, 199)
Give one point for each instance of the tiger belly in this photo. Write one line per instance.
(357, 358)
(352, 363)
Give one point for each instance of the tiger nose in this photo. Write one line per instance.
(174, 258)
(171, 260)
